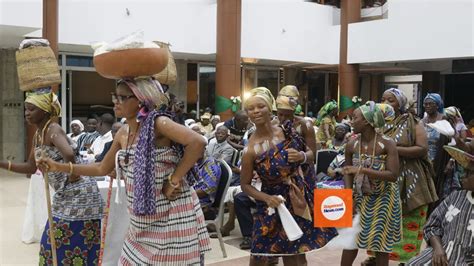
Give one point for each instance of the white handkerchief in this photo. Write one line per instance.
(293, 231)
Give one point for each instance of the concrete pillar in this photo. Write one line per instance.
(431, 82)
(12, 129)
(228, 74)
(348, 74)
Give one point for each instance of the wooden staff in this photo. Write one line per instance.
(50, 215)
(106, 220)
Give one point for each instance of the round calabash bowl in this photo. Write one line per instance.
(131, 62)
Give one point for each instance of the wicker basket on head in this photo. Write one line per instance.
(37, 68)
(168, 75)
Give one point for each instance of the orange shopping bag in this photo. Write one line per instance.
(333, 208)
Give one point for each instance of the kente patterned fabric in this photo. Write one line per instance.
(176, 233)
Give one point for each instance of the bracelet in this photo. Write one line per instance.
(173, 185)
(71, 168)
(9, 165)
(305, 157)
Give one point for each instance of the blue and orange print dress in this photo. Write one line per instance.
(269, 237)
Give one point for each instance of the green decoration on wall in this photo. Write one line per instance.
(223, 104)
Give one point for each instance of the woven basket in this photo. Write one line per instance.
(37, 67)
(169, 74)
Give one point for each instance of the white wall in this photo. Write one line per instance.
(189, 25)
(415, 30)
(289, 31)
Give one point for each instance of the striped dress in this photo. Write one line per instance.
(453, 222)
(176, 234)
(380, 212)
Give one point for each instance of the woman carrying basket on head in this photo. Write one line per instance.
(155, 155)
(77, 205)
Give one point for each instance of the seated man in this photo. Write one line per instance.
(219, 148)
(450, 229)
(206, 188)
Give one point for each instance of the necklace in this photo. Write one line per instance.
(127, 154)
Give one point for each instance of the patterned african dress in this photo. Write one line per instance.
(77, 210)
(380, 211)
(453, 222)
(321, 136)
(176, 234)
(417, 188)
(269, 237)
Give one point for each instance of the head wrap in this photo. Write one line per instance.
(46, 100)
(387, 111)
(79, 123)
(149, 92)
(325, 111)
(346, 127)
(264, 94)
(373, 114)
(401, 98)
(437, 99)
(288, 98)
(453, 111)
(216, 117)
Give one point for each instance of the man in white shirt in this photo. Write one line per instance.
(105, 126)
(219, 148)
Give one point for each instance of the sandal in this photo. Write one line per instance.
(245, 243)
(370, 261)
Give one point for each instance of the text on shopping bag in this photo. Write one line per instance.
(333, 207)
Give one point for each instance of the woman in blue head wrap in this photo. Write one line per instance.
(434, 108)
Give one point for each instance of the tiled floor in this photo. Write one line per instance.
(13, 195)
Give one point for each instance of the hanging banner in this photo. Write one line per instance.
(333, 208)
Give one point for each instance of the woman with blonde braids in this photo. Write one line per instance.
(155, 156)
(77, 204)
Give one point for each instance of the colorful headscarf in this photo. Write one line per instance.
(149, 92)
(288, 98)
(46, 100)
(387, 111)
(264, 94)
(79, 123)
(325, 111)
(373, 114)
(401, 98)
(437, 99)
(454, 112)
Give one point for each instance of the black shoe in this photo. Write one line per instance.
(246, 243)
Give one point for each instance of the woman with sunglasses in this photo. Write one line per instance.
(156, 156)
